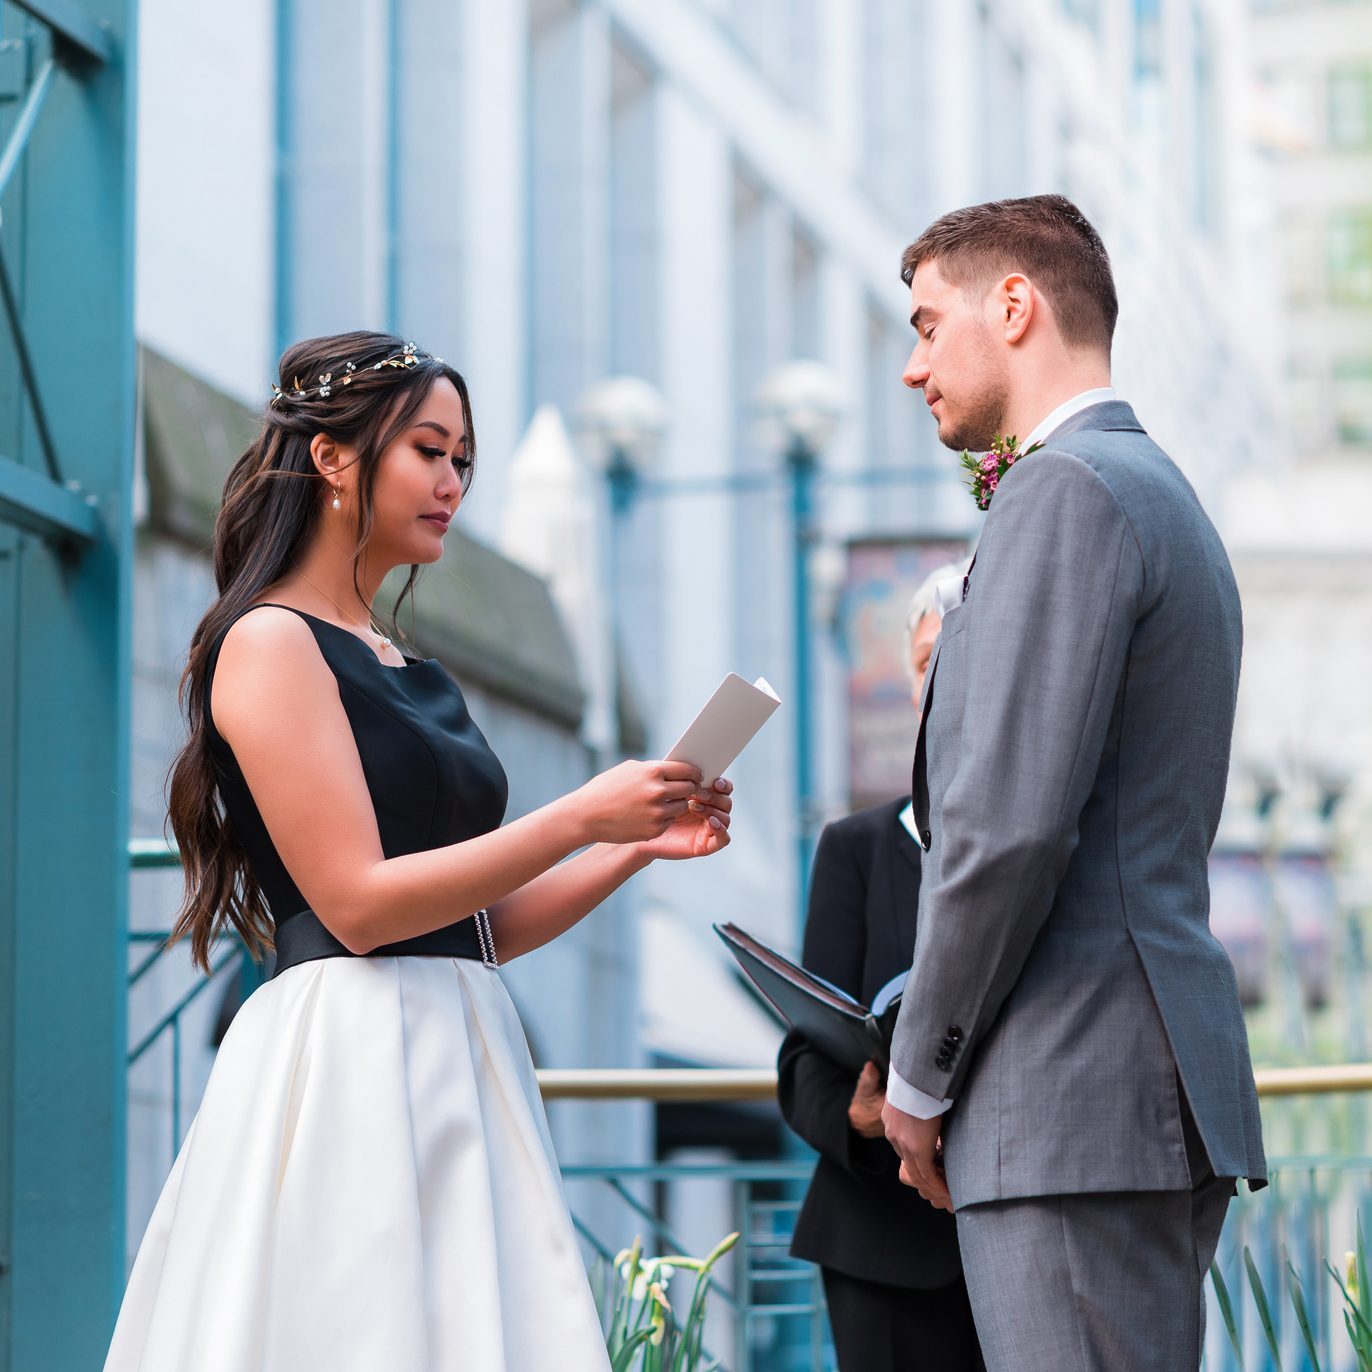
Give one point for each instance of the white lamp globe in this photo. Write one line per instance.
(621, 419)
(800, 404)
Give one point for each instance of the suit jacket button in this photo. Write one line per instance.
(943, 1062)
(925, 837)
(955, 1033)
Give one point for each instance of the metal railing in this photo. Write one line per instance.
(768, 1307)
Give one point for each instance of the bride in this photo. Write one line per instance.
(369, 1182)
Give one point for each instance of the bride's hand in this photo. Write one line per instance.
(702, 830)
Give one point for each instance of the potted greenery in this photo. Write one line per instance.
(1357, 1306)
(642, 1331)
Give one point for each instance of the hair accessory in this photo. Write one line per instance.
(346, 372)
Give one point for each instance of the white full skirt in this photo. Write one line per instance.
(369, 1184)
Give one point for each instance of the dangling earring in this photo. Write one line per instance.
(336, 505)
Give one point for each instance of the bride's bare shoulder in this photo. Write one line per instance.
(267, 658)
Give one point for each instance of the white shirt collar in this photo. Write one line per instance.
(1065, 411)
(907, 818)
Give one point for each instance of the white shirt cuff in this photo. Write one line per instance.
(911, 1099)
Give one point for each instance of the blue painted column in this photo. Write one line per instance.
(622, 480)
(802, 465)
(66, 234)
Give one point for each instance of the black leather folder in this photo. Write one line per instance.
(838, 1025)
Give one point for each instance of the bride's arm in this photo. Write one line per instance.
(548, 906)
(276, 702)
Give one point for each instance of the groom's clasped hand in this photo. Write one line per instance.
(920, 1150)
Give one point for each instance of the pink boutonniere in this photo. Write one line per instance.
(986, 469)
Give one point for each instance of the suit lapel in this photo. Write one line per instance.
(919, 778)
(903, 882)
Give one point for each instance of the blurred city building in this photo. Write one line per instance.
(693, 193)
(1298, 531)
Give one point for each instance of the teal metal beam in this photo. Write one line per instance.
(19, 337)
(65, 689)
(32, 502)
(147, 853)
(23, 124)
(72, 23)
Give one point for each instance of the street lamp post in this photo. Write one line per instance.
(619, 422)
(799, 405)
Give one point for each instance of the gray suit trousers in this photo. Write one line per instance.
(1110, 1282)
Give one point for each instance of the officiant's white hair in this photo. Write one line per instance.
(923, 603)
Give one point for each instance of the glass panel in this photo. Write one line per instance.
(1302, 261)
(1353, 400)
(1350, 106)
(804, 295)
(1348, 249)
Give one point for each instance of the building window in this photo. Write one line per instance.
(1205, 170)
(1290, 122)
(1305, 403)
(1348, 251)
(894, 104)
(804, 295)
(1302, 261)
(633, 220)
(1085, 12)
(1147, 39)
(781, 38)
(1350, 106)
(1353, 400)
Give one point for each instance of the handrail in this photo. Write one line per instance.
(760, 1083)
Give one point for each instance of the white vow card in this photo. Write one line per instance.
(725, 726)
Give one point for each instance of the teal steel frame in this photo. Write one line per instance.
(66, 539)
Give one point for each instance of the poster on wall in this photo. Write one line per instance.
(882, 576)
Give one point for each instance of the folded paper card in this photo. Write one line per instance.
(725, 726)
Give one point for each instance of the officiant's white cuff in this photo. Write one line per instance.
(911, 1099)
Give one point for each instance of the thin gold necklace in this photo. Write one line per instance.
(385, 642)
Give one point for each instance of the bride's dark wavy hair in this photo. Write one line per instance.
(273, 500)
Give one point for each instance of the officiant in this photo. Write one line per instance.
(889, 1260)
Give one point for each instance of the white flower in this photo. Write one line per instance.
(660, 1311)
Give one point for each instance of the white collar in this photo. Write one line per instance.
(907, 818)
(1065, 411)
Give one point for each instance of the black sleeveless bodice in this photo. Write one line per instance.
(432, 776)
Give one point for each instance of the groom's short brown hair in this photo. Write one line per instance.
(1044, 236)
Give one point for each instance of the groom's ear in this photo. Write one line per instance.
(1016, 302)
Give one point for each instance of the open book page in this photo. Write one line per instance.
(888, 993)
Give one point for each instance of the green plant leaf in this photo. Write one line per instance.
(1364, 1293)
(1361, 1346)
(1226, 1309)
(625, 1356)
(1351, 1306)
(1264, 1309)
(1293, 1280)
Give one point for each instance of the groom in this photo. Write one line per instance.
(1070, 1045)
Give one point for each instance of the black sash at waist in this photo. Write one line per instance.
(303, 938)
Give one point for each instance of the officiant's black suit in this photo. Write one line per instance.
(892, 1274)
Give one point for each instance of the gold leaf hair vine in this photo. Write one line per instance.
(408, 356)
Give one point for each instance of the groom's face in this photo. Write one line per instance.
(955, 362)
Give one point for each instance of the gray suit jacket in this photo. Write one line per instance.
(1069, 773)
